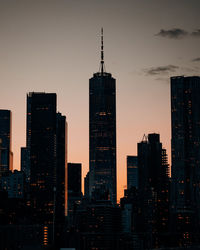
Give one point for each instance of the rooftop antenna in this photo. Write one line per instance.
(144, 138)
(102, 53)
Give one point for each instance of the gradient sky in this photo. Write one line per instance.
(54, 46)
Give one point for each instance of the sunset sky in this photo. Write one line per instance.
(54, 46)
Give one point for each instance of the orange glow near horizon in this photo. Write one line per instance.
(79, 152)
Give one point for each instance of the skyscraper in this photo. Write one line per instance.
(46, 146)
(185, 121)
(61, 168)
(153, 171)
(74, 178)
(132, 172)
(102, 133)
(5, 141)
(41, 138)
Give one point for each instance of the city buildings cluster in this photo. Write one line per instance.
(43, 206)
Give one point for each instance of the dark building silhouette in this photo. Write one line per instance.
(87, 185)
(61, 168)
(96, 225)
(73, 185)
(46, 146)
(6, 156)
(102, 134)
(41, 135)
(24, 162)
(130, 218)
(13, 184)
(153, 183)
(102, 227)
(132, 171)
(23, 236)
(185, 123)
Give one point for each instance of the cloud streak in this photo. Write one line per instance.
(161, 70)
(175, 33)
(196, 33)
(197, 59)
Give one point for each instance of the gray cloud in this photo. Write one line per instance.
(178, 33)
(197, 59)
(175, 33)
(196, 33)
(161, 70)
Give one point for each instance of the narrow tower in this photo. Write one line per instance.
(102, 133)
(185, 123)
(6, 155)
(102, 53)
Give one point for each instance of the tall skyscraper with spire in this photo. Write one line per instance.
(102, 133)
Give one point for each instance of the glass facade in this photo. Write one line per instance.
(5, 141)
(102, 136)
(185, 118)
(153, 171)
(47, 157)
(74, 183)
(132, 172)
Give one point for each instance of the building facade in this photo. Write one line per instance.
(153, 171)
(41, 138)
(6, 156)
(185, 123)
(132, 172)
(86, 185)
(61, 168)
(47, 150)
(13, 184)
(24, 162)
(74, 184)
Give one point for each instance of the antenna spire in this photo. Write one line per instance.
(102, 52)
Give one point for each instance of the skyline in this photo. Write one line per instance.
(161, 212)
(29, 44)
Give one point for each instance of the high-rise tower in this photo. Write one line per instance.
(41, 138)
(153, 172)
(102, 133)
(132, 171)
(47, 157)
(185, 114)
(5, 142)
(74, 193)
